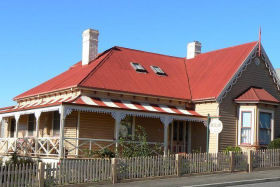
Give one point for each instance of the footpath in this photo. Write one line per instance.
(220, 179)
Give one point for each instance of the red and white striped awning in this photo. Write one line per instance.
(129, 105)
(103, 102)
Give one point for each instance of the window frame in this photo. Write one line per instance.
(139, 69)
(271, 124)
(241, 110)
(158, 70)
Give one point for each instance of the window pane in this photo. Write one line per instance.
(265, 136)
(265, 120)
(181, 129)
(175, 131)
(246, 135)
(265, 128)
(31, 122)
(126, 126)
(13, 126)
(246, 119)
(56, 123)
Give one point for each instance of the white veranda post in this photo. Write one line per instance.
(17, 116)
(118, 116)
(61, 132)
(37, 116)
(166, 121)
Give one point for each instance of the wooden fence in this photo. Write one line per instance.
(240, 160)
(76, 171)
(19, 175)
(266, 158)
(73, 171)
(205, 163)
(142, 167)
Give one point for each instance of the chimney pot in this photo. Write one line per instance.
(90, 45)
(193, 49)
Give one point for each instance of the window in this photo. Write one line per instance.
(138, 67)
(246, 123)
(13, 126)
(31, 123)
(158, 70)
(265, 128)
(56, 123)
(181, 130)
(175, 131)
(126, 127)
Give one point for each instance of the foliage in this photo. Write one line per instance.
(233, 149)
(196, 151)
(137, 146)
(275, 144)
(104, 153)
(16, 159)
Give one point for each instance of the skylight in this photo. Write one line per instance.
(158, 70)
(138, 67)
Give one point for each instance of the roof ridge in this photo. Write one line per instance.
(188, 79)
(255, 93)
(225, 48)
(110, 51)
(149, 52)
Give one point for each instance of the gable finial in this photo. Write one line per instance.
(260, 35)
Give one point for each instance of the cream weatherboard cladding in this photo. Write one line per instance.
(254, 75)
(211, 108)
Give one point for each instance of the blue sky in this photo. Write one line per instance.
(40, 39)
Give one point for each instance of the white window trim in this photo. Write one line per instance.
(252, 110)
(271, 125)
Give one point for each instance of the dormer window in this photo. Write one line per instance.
(158, 70)
(138, 67)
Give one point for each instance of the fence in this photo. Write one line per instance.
(266, 158)
(141, 167)
(204, 163)
(75, 171)
(19, 175)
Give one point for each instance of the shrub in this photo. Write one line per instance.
(275, 144)
(233, 149)
(104, 153)
(16, 159)
(138, 146)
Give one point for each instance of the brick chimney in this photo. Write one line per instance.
(193, 49)
(90, 46)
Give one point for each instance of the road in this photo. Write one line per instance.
(270, 178)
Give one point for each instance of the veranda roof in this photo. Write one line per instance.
(106, 103)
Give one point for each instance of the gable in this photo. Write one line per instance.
(253, 75)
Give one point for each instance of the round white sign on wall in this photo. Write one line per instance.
(215, 126)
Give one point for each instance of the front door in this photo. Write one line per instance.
(178, 137)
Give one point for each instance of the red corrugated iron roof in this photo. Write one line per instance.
(210, 72)
(202, 77)
(70, 78)
(117, 74)
(256, 95)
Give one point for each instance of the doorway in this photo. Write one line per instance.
(179, 137)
